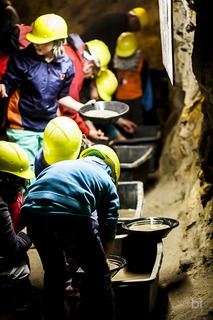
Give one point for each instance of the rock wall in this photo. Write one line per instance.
(188, 148)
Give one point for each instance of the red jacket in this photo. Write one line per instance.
(23, 30)
(77, 82)
(14, 209)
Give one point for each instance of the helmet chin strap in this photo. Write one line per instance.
(91, 57)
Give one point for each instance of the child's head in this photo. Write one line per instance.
(137, 19)
(14, 169)
(126, 45)
(98, 52)
(108, 155)
(14, 160)
(62, 140)
(48, 33)
(107, 84)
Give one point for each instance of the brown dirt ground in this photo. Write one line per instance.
(184, 294)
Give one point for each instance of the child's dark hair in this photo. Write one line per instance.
(10, 186)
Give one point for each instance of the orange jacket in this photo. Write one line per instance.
(129, 83)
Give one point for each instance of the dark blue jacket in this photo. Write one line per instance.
(76, 188)
(40, 84)
(40, 163)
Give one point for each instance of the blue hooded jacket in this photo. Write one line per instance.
(76, 188)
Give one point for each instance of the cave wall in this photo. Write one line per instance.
(187, 154)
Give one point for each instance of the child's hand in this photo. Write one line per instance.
(3, 93)
(127, 125)
(97, 135)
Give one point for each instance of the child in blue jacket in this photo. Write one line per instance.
(58, 211)
(36, 81)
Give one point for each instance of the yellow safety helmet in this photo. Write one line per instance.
(108, 155)
(98, 52)
(126, 45)
(107, 84)
(62, 140)
(142, 16)
(14, 159)
(46, 28)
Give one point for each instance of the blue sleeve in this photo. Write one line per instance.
(39, 163)
(12, 75)
(70, 73)
(108, 215)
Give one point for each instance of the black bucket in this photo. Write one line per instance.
(139, 254)
(139, 247)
